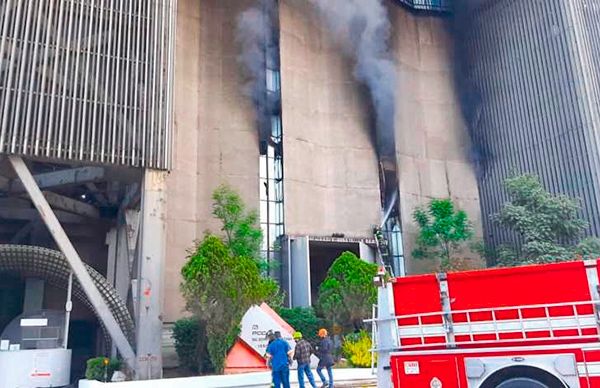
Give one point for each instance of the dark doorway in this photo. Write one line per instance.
(322, 256)
(82, 342)
(12, 291)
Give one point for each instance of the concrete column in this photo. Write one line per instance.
(300, 272)
(366, 252)
(150, 276)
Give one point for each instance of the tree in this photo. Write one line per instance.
(218, 288)
(243, 234)
(348, 294)
(442, 229)
(548, 224)
(302, 319)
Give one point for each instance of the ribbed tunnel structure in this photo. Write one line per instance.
(52, 266)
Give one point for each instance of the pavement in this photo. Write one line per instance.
(343, 378)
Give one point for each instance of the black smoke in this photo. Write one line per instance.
(255, 35)
(363, 29)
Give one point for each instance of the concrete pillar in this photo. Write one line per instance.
(150, 276)
(366, 252)
(34, 295)
(300, 272)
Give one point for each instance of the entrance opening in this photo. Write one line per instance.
(322, 256)
(95, 205)
(11, 299)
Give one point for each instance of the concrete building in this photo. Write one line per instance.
(129, 114)
(531, 92)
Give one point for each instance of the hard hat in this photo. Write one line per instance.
(297, 335)
(322, 333)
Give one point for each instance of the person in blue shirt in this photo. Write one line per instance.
(279, 352)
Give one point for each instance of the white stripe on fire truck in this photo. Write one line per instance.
(593, 369)
(500, 326)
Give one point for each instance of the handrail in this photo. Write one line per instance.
(488, 309)
(444, 345)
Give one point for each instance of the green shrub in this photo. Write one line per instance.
(347, 295)
(219, 288)
(190, 344)
(357, 349)
(97, 370)
(302, 319)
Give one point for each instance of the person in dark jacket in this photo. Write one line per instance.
(302, 353)
(325, 354)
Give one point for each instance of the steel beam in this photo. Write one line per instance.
(30, 214)
(68, 177)
(75, 262)
(150, 276)
(71, 205)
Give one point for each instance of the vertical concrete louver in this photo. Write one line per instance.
(531, 74)
(87, 80)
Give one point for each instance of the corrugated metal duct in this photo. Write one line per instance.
(532, 67)
(87, 80)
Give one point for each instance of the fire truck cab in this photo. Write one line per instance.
(534, 326)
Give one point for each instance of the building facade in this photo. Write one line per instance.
(531, 90)
(129, 114)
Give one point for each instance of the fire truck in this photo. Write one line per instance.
(528, 327)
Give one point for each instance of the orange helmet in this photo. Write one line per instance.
(322, 333)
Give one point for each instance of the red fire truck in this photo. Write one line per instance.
(533, 326)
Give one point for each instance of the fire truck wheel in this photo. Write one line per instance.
(522, 377)
(522, 382)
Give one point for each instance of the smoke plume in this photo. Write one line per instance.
(254, 34)
(362, 28)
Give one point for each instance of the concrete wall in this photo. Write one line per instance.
(330, 167)
(331, 176)
(215, 140)
(431, 137)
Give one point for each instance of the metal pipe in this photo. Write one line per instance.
(75, 83)
(153, 121)
(146, 111)
(5, 22)
(171, 82)
(53, 96)
(117, 89)
(96, 83)
(103, 155)
(61, 123)
(11, 66)
(68, 308)
(128, 55)
(161, 127)
(41, 104)
(86, 98)
(31, 87)
(138, 48)
(21, 79)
